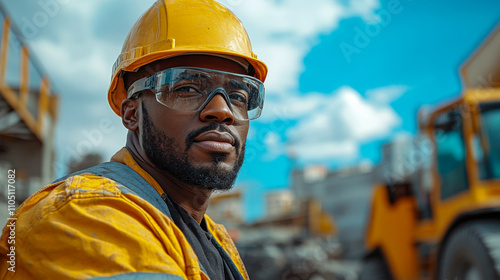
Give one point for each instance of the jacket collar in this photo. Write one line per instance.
(125, 157)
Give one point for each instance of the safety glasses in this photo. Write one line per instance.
(189, 89)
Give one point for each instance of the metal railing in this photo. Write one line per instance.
(23, 84)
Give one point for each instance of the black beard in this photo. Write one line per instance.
(170, 158)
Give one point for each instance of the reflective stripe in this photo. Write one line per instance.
(129, 180)
(236, 273)
(141, 275)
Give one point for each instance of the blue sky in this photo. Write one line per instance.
(345, 76)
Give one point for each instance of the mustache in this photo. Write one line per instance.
(212, 126)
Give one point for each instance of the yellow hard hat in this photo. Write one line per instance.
(176, 27)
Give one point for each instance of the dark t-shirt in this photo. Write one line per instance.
(204, 244)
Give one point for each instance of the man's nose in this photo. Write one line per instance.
(218, 110)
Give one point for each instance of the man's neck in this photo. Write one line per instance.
(192, 199)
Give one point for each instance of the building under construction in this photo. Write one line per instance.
(28, 113)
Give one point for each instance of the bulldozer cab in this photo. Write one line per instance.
(455, 181)
(486, 144)
(465, 145)
(450, 147)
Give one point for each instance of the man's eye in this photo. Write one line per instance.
(187, 92)
(239, 98)
(186, 89)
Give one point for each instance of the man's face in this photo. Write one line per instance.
(204, 149)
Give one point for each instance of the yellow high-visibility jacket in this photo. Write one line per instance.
(108, 222)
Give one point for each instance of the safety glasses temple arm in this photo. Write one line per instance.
(142, 84)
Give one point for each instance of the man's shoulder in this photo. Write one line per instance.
(63, 198)
(81, 186)
(112, 185)
(86, 185)
(109, 179)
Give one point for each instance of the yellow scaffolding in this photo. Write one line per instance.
(28, 111)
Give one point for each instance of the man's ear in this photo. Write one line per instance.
(130, 113)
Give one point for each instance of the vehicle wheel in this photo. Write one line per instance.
(472, 252)
(374, 268)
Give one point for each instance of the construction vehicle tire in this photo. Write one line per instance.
(374, 268)
(472, 252)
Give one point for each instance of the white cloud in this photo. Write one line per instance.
(285, 65)
(364, 9)
(289, 106)
(274, 146)
(385, 95)
(89, 72)
(81, 9)
(291, 19)
(365, 120)
(339, 124)
(334, 126)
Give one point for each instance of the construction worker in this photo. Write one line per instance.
(185, 85)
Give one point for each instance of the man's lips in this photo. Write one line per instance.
(215, 141)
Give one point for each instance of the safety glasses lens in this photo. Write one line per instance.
(190, 89)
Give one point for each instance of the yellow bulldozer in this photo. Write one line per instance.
(442, 220)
